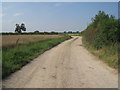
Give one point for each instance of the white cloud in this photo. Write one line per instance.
(18, 14)
(57, 4)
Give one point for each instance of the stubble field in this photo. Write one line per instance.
(13, 40)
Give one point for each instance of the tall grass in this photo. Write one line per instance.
(119, 57)
(109, 54)
(15, 58)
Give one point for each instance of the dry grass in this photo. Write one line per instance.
(13, 40)
(74, 34)
(109, 54)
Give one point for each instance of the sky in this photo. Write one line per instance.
(53, 16)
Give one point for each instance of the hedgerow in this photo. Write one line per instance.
(102, 31)
(102, 38)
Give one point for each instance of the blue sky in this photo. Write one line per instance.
(53, 16)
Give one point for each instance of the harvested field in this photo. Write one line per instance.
(74, 34)
(13, 40)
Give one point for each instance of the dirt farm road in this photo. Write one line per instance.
(68, 65)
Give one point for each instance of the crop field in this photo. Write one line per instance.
(76, 34)
(18, 50)
(13, 40)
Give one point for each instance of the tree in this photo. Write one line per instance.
(17, 29)
(103, 31)
(20, 28)
(65, 32)
(70, 32)
(77, 32)
(23, 27)
(37, 32)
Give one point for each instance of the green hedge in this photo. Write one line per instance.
(103, 36)
(104, 30)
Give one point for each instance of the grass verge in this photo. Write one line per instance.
(109, 54)
(15, 58)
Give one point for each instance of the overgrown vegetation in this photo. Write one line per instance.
(15, 58)
(101, 37)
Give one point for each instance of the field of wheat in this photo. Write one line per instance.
(13, 40)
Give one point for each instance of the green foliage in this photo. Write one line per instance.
(15, 58)
(102, 31)
(21, 28)
(103, 36)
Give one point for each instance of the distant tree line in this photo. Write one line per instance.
(71, 32)
(52, 32)
(20, 28)
(31, 33)
(38, 33)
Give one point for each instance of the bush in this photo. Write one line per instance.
(102, 31)
(102, 38)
